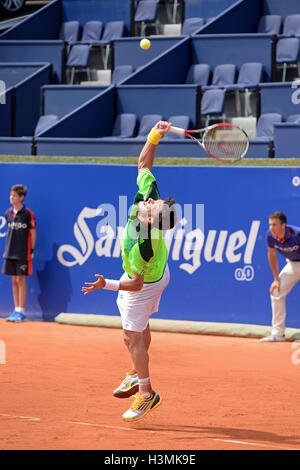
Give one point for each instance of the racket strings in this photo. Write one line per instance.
(226, 143)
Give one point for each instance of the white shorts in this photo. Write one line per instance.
(136, 307)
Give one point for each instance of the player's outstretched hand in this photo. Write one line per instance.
(162, 127)
(99, 284)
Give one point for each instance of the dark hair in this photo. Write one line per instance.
(279, 215)
(167, 217)
(20, 189)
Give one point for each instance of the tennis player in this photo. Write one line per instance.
(286, 241)
(146, 275)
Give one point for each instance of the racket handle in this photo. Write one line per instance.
(177, 130)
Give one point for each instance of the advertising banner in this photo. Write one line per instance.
(217, 251)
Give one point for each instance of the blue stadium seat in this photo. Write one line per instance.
(198, 74)
(78, 59)
(92, 31)
(250, 75)
(287, 54)
(146, 124)
(265, 127)
(269, 24)
(44, 122)
(69, 31)
(291, 25)
(120, 73)
(112, 30)
(177, 121)
(145, 14)
(223, 76)
(125, 125)
(212, 104)
(191, 25)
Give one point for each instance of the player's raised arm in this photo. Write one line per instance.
(146, 157)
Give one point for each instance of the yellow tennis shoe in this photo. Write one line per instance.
(128, 387)
(141, 406)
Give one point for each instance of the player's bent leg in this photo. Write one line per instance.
(288, 276)
(287, 279)
(147, 337)
(135, 344)
(142, 406)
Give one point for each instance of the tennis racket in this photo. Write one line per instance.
(225, 142)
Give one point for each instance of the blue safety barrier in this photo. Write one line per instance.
(7, 112)
(239, 17)
(51, 52)
(206, 8)
(167, 100)
(92, 119)
(127, 51)
(46, 22)
(21, 109)
(43, 24)
(103, 10)
(282, 98)
(233, 49)
(276, 7)
(63, 99)
(16, 146)
(286, 140)
(217, 253)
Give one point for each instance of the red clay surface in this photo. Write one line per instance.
(218, 392)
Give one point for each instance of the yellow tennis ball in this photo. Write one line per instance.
(145, 44)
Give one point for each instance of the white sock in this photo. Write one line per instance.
(20, 310)
(145, 381)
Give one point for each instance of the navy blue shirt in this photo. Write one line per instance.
(290, 246)
(18, 241)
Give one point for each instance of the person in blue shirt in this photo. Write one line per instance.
(283, 239)
(20, 242)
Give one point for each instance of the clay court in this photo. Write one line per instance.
(224, 393)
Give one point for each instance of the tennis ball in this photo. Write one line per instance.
(145, 44)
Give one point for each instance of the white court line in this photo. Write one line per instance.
(101, 425)
(80, 422)
(252, 444)
(29, 418)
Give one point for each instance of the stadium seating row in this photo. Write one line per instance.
(222, 64)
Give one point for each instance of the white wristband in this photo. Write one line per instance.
(111, 284)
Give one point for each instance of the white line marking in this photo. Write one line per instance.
(101, 425)
(30, 418)
(81, 422)
(252, 444)
(123, 429)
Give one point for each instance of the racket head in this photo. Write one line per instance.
(225, 142)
